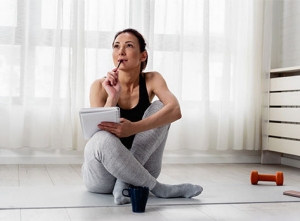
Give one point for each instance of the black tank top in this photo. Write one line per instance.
(135, 114)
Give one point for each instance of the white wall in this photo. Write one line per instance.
(286, 34)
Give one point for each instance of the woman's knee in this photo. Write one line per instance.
(98, 143)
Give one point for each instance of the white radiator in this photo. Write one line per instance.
(284, 111)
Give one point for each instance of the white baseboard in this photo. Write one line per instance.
(40, 156)
(26, 156)
(290, 162)
(210, 159)
(196, 157)
(41, 160)
(51, 156)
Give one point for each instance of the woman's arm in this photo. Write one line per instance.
(171, 112)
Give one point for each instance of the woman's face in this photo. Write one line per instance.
(126, 48)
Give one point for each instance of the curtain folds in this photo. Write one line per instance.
(209, 51)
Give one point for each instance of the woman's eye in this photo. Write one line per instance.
(116, 46)
(129, 45)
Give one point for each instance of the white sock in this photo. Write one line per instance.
(117, 192)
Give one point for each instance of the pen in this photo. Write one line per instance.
(119, 64)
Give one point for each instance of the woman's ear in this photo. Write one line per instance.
(144, 56)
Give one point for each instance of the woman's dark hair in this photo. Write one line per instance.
(141, 40)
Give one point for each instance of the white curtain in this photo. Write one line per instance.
(268, 41)
(209, 51)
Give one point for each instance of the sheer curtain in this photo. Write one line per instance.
(209, 51)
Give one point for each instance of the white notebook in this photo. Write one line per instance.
(91, 117)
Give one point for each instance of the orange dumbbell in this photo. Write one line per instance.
(255, 177)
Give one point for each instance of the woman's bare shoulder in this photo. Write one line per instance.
(152, 76)
(97, 85)
(96, 88)
(155, 82)
(98, 94)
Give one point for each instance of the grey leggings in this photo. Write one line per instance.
(107, 159)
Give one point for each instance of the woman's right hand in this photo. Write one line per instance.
(112, 85)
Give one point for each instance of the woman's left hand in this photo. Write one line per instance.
(122, 129)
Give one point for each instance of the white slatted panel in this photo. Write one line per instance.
(293, 69)
(284, 146)
(285, 83)
(285, 114)
(284, 130)
(285, 99)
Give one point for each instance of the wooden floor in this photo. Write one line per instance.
(202, 174)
